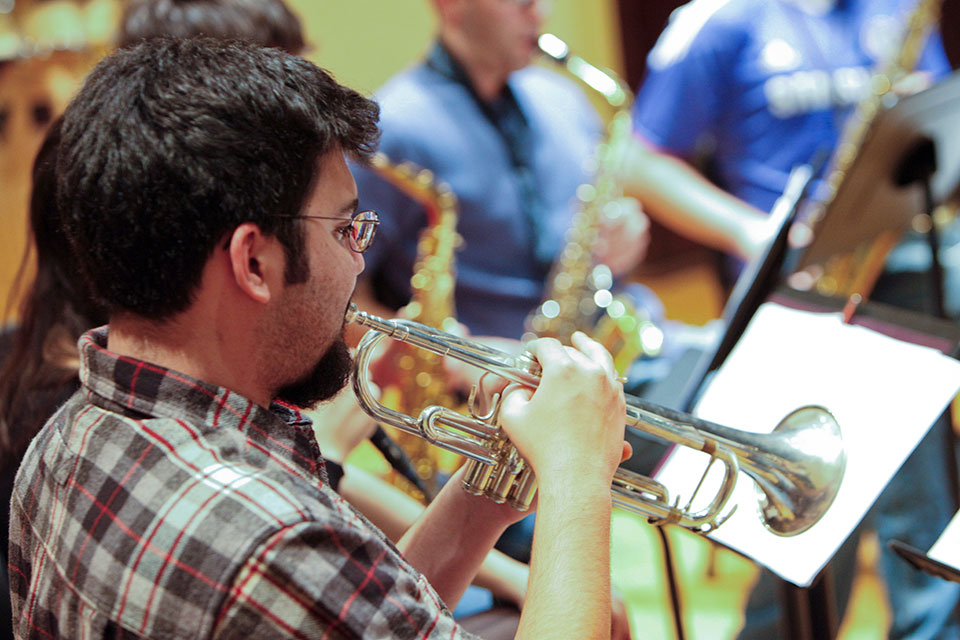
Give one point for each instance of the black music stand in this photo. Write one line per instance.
(884, 187)
(756, 282)
(812, 610)
(923, 562)
(877, 195)
(909, 163)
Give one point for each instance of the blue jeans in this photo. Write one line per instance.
(914, 508)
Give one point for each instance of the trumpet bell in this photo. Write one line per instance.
(799, 471)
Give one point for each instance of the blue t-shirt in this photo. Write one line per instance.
(433, 120)
(766, 83)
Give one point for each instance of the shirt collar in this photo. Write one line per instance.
(443, 62)
(140, 389)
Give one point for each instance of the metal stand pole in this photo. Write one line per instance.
(811, 612)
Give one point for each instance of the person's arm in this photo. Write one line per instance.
(504, 577)
(571, 432)
(573, 420)
(393, 511)
(339, 425)
(450, 541)
(681, 198)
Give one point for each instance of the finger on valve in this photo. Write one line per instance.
(576, 413)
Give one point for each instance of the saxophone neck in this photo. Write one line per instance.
(604, 81)
(921, 19)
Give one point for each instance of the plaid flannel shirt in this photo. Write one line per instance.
(155, 505)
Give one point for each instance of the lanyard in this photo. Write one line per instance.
(509, 121)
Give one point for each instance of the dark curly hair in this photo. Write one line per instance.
(171, 144)
(269, 23)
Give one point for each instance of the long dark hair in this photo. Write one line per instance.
(54, 312)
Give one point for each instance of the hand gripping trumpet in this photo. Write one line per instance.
(797, 468)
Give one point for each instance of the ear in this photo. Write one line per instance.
(256, 260)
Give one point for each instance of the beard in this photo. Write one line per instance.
(328, 376)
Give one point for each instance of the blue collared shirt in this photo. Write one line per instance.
(515, 191)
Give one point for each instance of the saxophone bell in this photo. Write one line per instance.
(423, 381)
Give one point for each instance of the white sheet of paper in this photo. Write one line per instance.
(884, 393)
(947, 547)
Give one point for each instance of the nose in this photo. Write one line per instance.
(358, 261)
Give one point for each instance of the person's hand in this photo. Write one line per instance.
(340, 424)
(619, 620)
(384, 369)
(386, 372)
(392, 361)
(623, 235)
(575, 418)
(756, 233)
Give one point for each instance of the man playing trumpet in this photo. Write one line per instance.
(205, 193)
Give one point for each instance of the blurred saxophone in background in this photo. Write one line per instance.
(578, 295)
(857, 272)
(420, 374)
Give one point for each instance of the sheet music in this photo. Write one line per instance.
(884, 393)
(947, 547)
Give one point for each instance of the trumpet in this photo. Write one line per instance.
(797, 468)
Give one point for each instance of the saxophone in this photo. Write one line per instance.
(432, 288)
(578, 286)
(857, 272)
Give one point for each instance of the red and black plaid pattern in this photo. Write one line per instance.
(153, 505)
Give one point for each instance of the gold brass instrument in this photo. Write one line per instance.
(431, 303)
(797, 468)
(578, 287)
(857, 272)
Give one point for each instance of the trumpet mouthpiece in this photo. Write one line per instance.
(351, 315)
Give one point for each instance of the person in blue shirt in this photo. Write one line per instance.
(763, 86)
(511, 140)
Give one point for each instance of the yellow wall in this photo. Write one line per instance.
(45, 82)
(364, 42)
